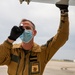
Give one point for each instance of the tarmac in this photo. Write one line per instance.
(52, 68)
(60, 68)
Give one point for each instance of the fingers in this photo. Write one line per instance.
(18, 29)
(21, 28)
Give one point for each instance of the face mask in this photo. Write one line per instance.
(26, 36)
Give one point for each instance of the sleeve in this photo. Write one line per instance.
(52, 45)
(5, 49)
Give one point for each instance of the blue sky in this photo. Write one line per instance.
(46, 17)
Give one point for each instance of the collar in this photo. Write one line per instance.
(35, 48)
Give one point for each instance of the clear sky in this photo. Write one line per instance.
(46, 17)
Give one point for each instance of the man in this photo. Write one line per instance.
(28, 58)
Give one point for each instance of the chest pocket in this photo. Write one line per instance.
(14, 64)
(34, 65)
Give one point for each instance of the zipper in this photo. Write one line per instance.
(24, 64)
(18, 65)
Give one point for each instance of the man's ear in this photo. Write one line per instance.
(35, 32)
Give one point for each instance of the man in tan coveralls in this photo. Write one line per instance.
(28, 58)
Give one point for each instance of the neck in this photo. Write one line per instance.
(27, 46)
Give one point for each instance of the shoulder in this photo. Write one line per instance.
(36, 48)
(17, 46)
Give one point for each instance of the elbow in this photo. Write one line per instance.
(65, 38)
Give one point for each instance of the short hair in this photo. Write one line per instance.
(23, 20)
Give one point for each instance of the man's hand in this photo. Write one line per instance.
(63, 5)
(15, 32)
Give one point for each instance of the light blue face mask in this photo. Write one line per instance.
(26, 36)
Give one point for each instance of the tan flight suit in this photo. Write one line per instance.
(34, 62)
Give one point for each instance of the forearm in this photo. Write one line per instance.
(63, 32)
(64, 24)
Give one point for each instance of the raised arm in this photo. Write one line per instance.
(5, 48)
(61, 37)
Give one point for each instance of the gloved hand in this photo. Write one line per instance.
(16, 32)
(63, 5)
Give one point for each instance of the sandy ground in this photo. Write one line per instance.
(60, 68)
(52, 68)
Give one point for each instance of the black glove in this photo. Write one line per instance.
(62, 7)
(16, 32)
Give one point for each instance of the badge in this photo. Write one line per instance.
(34, 67)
